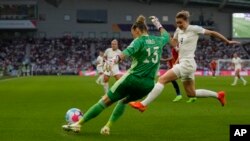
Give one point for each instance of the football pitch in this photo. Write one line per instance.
(241, 28)
(33, 108)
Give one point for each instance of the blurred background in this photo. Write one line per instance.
(58, 37)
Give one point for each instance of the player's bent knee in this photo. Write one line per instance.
(106, 79)
(166, 78)
(162, 80)
(106, 100)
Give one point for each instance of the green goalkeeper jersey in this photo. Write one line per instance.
(146, 52)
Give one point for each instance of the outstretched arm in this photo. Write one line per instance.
(220, 36)
(167, 59)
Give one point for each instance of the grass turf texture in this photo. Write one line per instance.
(241, 28)
(33, 108)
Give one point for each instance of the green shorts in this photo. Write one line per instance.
(130, 87)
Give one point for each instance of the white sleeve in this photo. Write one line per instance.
(176, 34)
(240, 60)
(98, 60)
(106, 52)
(198, 29)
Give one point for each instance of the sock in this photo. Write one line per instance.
(99, 79)
(106, 87)
(235, 80)
(176, 87)
(205, 93)
(93, 111)
(155, 92)
(241, 78)
(117, 113)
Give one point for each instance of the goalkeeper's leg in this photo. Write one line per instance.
(91, 113)
(116, 114)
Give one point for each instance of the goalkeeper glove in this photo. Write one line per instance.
(155, 22)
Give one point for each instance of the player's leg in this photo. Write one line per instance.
(213, 72)
(113, 95)
(236, 77)
(116, 72)
(96, 109)
(106, 82)
(169, 76)
(121, 91)
(189, 87)
(133, 88)
(241, 78)
(116, 114)
(107, 100)
(117, 76)
(159, 86)
(99, 80)
(102, 79)
(177, 90)
(91, 113)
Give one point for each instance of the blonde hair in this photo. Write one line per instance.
(141, 19)
(140, 23)
(183, 14)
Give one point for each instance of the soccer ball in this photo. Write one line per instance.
(73, 115)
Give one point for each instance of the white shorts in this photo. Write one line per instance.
(185, 69)
(99, 69)
(237, 69)
(113, 72)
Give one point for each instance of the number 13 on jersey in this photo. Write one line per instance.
(154, 59)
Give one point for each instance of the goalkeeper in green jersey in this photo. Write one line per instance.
(145, 51)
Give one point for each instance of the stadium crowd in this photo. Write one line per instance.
(68, 55)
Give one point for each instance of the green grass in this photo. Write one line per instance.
(241, 28)
(33, 108)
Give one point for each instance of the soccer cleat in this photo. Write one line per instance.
(138, 105)
(105, 130)
(233, 84)
(72, 127)
(98, 82)
(221, 97)
(245, 83)
(192, 100)
(177, 98)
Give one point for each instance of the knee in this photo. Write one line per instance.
(163, 80)
(190, 93)
(105, 79)
(117, 77)
(106, 100)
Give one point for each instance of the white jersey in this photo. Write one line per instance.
(110, 54)
(99, 61)
(237, 62)
(99, 66)
(187, 40)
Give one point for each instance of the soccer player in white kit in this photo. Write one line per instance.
(237, 68)
(186, 36)
(113, 70)
(99, 67)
